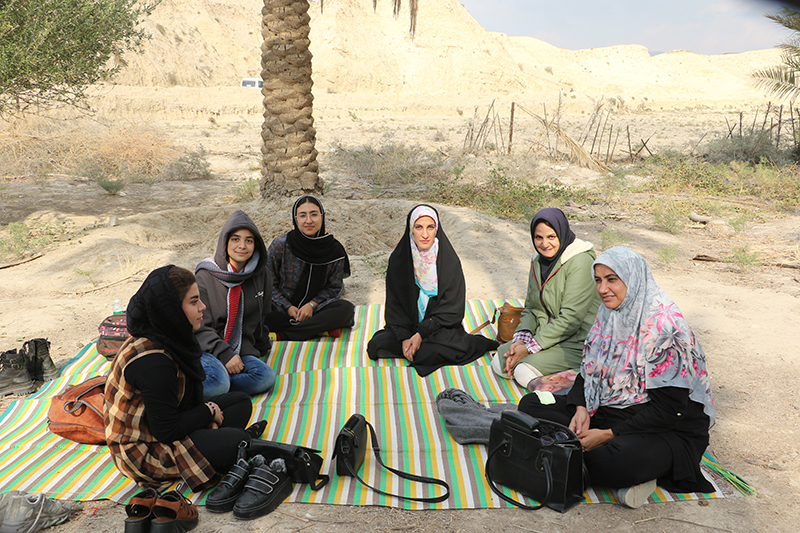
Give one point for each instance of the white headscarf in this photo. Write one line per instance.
(643, 344)
(425, 274)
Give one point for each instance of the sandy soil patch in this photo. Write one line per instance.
(747, 320)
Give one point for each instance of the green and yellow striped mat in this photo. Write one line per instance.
(319, 385)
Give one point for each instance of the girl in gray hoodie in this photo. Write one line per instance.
(236, 285)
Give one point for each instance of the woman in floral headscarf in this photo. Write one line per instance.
(425, 297)
(642, 405)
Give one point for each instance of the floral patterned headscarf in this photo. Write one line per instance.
(643, 344)
(425, 273)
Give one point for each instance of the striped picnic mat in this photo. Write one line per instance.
(319, 385)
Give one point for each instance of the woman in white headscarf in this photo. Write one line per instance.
(642, 405)
(425, 298)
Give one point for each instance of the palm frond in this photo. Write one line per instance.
(787, 17)
(779, 80)
(782, 80)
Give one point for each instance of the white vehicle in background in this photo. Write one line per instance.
(253, 83)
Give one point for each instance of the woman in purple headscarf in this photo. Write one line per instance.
(560, 306)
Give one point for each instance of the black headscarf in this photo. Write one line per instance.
(317, 251)
(402, 291)
(156, 313)
(557, 220)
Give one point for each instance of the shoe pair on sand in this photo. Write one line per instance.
(19, 371)
(149, 512)
(251, 489)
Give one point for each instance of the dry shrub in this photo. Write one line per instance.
(135, 151)
(36, 146)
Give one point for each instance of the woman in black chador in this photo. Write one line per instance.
(425, 297)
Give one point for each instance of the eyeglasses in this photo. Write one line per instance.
(549, 441)
(314, 215)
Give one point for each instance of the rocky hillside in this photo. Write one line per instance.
(215, 43)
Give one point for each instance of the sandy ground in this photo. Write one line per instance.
(375, 86)
(746, 320)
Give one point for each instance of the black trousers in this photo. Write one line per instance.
(336, 315)
(625, 460)
(447, 346)
(220, 446)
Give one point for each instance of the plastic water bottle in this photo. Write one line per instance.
(117, 308)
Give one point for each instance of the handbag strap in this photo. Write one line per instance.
(321, 481)
(548, 474)
(72, 406)
(411, 477)
(490, 321)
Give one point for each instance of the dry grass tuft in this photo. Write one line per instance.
(38, 147)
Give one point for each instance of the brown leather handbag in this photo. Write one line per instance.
(77, 413)
(507, 317)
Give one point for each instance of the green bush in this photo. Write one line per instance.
(673, 172)
(246, 191)
(503, 196)
(111, 186)
(53, 50)
(191, 166)
(611, 237)
(17, 238)
(393, 169)
(668, 255)
(754, 148)
(743, 257)
(668, 216)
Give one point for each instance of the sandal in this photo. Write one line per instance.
(173, 513)
(139, 511)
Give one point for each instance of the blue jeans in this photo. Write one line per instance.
(256, 378)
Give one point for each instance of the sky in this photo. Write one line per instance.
(702, 26)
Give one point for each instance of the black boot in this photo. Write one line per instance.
(14, 377)
(40, 365)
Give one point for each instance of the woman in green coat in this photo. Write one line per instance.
(560, 307)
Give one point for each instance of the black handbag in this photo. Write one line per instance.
(302, 464)
(541, 459)
(351, 448)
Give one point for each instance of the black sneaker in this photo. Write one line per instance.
(14, 377)
(37, 355)
(265, 489)
(223, 498)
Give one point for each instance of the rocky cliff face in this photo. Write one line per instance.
(358, 51)
(202, 43)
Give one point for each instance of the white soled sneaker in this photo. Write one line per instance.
(635, 496)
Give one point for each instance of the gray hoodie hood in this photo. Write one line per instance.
(238, 220)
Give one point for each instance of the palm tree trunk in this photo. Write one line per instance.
(289, 164)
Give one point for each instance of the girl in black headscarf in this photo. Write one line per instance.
(158, 428)
(560, 306)
(308, 268)
(425, 297)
